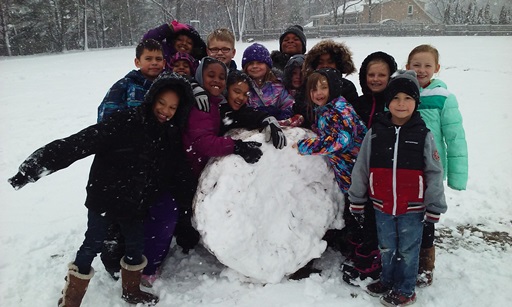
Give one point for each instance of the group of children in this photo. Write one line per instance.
(158, 126)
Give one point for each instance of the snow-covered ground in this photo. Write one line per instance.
(41, 226)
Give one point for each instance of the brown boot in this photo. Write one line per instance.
(130, 277)
(426, 267)
(76, 285)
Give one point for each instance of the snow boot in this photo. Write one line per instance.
(131, 277)
(426, 267)
(76, 285)
(364, 265)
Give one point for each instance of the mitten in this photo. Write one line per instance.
(177, 27)
(248, 150)
(19, 180)
(357, 211)
(201, 98)
(186, 235)
(432, 217)
(273, 131)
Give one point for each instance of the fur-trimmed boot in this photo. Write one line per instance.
(130, 277)
(426, 267)
(76, 285)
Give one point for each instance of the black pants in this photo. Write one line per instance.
(427, 240)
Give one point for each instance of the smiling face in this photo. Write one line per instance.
(150, 63)
(183, 43)
(214, 79)
(377, 76)
(182, 67)
(320, 93)
(165, 106)
(291, 44)
(238, 94)
(425, 66)
(257, 70)
(401, 107)
(326, 61)
(223, 51)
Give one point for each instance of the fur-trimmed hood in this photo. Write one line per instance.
(339, 51)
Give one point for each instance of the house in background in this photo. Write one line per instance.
(380, 11)
(400, 11)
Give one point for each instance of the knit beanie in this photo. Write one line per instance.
(403, 81)
(256, 52)
(297, 30)
(181, 56)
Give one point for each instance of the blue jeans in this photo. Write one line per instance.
(399, 244)
(97, 226)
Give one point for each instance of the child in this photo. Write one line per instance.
(291, 42)
(267, 92)
(440, 110)
(129, 92)
(398, 168)
(178, 37)
(340, 131)
(327, 54)
(236, 114)
(292, 75)
(221, 46)
(184, 64)
(137, 160)
(363, 257)
(202, 138)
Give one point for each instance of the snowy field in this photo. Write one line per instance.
(41, 226)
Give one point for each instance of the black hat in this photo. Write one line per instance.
(379, 55)
(297, 30)
(403, 81)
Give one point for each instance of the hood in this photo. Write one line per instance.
(388, 59)
(339, 51)
(294, 62)
(335, 82)
(203, 64)
(199, 50)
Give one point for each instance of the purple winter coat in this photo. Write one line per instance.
(201, 140)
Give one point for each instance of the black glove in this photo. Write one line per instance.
(273, 131)
(201, 98)
(19, 180)
(248, 150)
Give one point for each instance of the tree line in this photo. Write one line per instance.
(45, 26)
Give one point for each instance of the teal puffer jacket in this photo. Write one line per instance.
(440, 111)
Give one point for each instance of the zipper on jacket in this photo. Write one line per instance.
(395, 161)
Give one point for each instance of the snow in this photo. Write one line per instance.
(51, 96)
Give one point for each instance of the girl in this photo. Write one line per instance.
(398, 168)
(236, 114)
(183, 64)
(292, 76)
(267, 92)
(340, 131)
(440, 111)
(363, 257)
(137, 161)
(202, 138)
(178, 37)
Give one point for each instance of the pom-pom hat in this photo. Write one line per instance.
(403, 81)
(256, 52)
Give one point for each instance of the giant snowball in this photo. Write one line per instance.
(266, 220)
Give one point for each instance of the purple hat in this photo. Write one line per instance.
(180, 56)
(256, 52)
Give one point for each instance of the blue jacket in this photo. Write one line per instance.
(124, 94)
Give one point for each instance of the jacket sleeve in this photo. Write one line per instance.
(158, 33)
(349, 92)
(334, 138)
(114, 100)
(247, 117)
(358, 192)
(61, 153)
(202, 134)
(456, 146)
(434, 193)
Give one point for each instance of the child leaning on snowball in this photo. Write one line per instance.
(440, 111)
(398, 168)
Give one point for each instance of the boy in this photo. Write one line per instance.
(129, 92)
(221, 46)
(398, 168)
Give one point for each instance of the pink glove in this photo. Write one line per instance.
(294, 121)
(176, 26)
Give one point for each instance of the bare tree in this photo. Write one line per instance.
(4, 15)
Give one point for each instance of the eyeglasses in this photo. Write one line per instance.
(216, 50)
